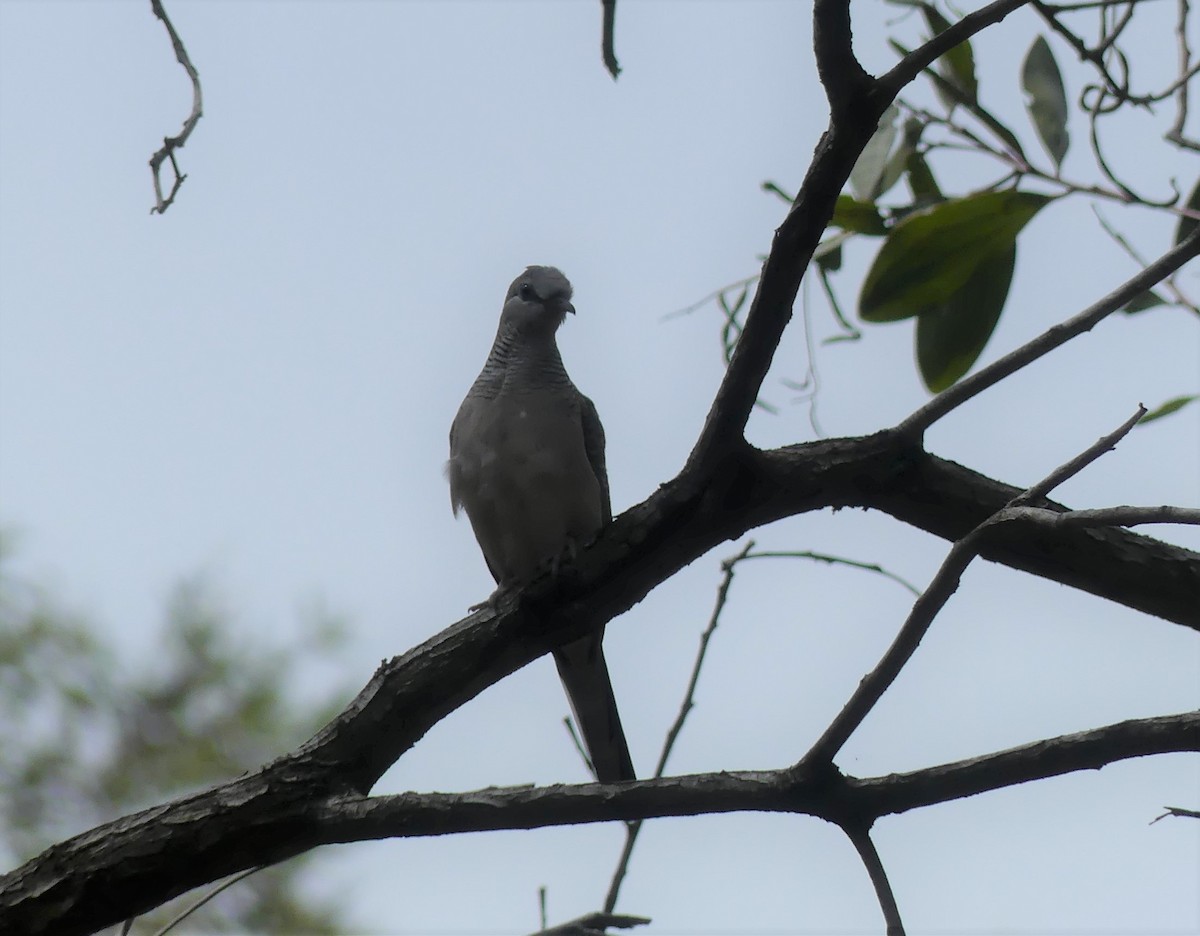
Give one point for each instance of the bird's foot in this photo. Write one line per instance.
(490, 602)
(565, 556)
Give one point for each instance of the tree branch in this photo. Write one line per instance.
(1052, 338)
(919, 59)
(170, 144)
(128, 866)
(861, 839)
(607, 41)
(934, 598)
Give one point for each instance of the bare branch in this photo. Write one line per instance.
(1105, 516)
(1175, 134)
(950, 399)
(170, 144)
(1178, 813)
(1085, 750)
(861, 839)
(836, 560)
(100, 877)
(933, 599)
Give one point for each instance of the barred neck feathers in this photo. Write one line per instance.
(520, 361)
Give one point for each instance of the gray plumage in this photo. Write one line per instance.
(527, 466)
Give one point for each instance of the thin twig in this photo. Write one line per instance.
(1057, 335)
(1106, 516)
(861, 839)
(1175, 134)
(188, 911)
(170, 144)
(716, 293)
(633, 828)
(569, 723)
(922, 57)
(836, 560)
(1168, 282)
(934, 598)
(1178, 812)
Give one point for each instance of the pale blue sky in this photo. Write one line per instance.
(259, 384)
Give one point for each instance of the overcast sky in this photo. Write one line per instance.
(258, 386)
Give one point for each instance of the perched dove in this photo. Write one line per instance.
(527, 465)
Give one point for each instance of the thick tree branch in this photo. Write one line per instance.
(137, 862)
(1137, 571)
(856, 103)
(130, 865)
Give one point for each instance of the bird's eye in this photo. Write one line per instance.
(526, 292)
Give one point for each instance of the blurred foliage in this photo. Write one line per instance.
(87, 736)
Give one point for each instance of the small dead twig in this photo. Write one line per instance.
(170, 144)
(1178, 812)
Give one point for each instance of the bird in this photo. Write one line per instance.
(527, 467)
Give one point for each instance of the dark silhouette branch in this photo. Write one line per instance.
(98, 878)
(1085, 750)
(919, 59)
(607, 38)
(861, 839)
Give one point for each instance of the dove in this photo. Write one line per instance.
(527, 466)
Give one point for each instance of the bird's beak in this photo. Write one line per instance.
(570, 308)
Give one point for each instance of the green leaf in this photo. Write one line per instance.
(951, 335)
(921, 182)
(774, 189)
(1046, 101)
(829, 252)
(944, 87)
(868, 171)
(932, 254)
(1173, 405)
(1143, 301)
(861, 217)
(957, 66)
(1187, 225)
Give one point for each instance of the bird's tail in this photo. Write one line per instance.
(584, 675)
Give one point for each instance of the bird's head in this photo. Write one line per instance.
(537, 302)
